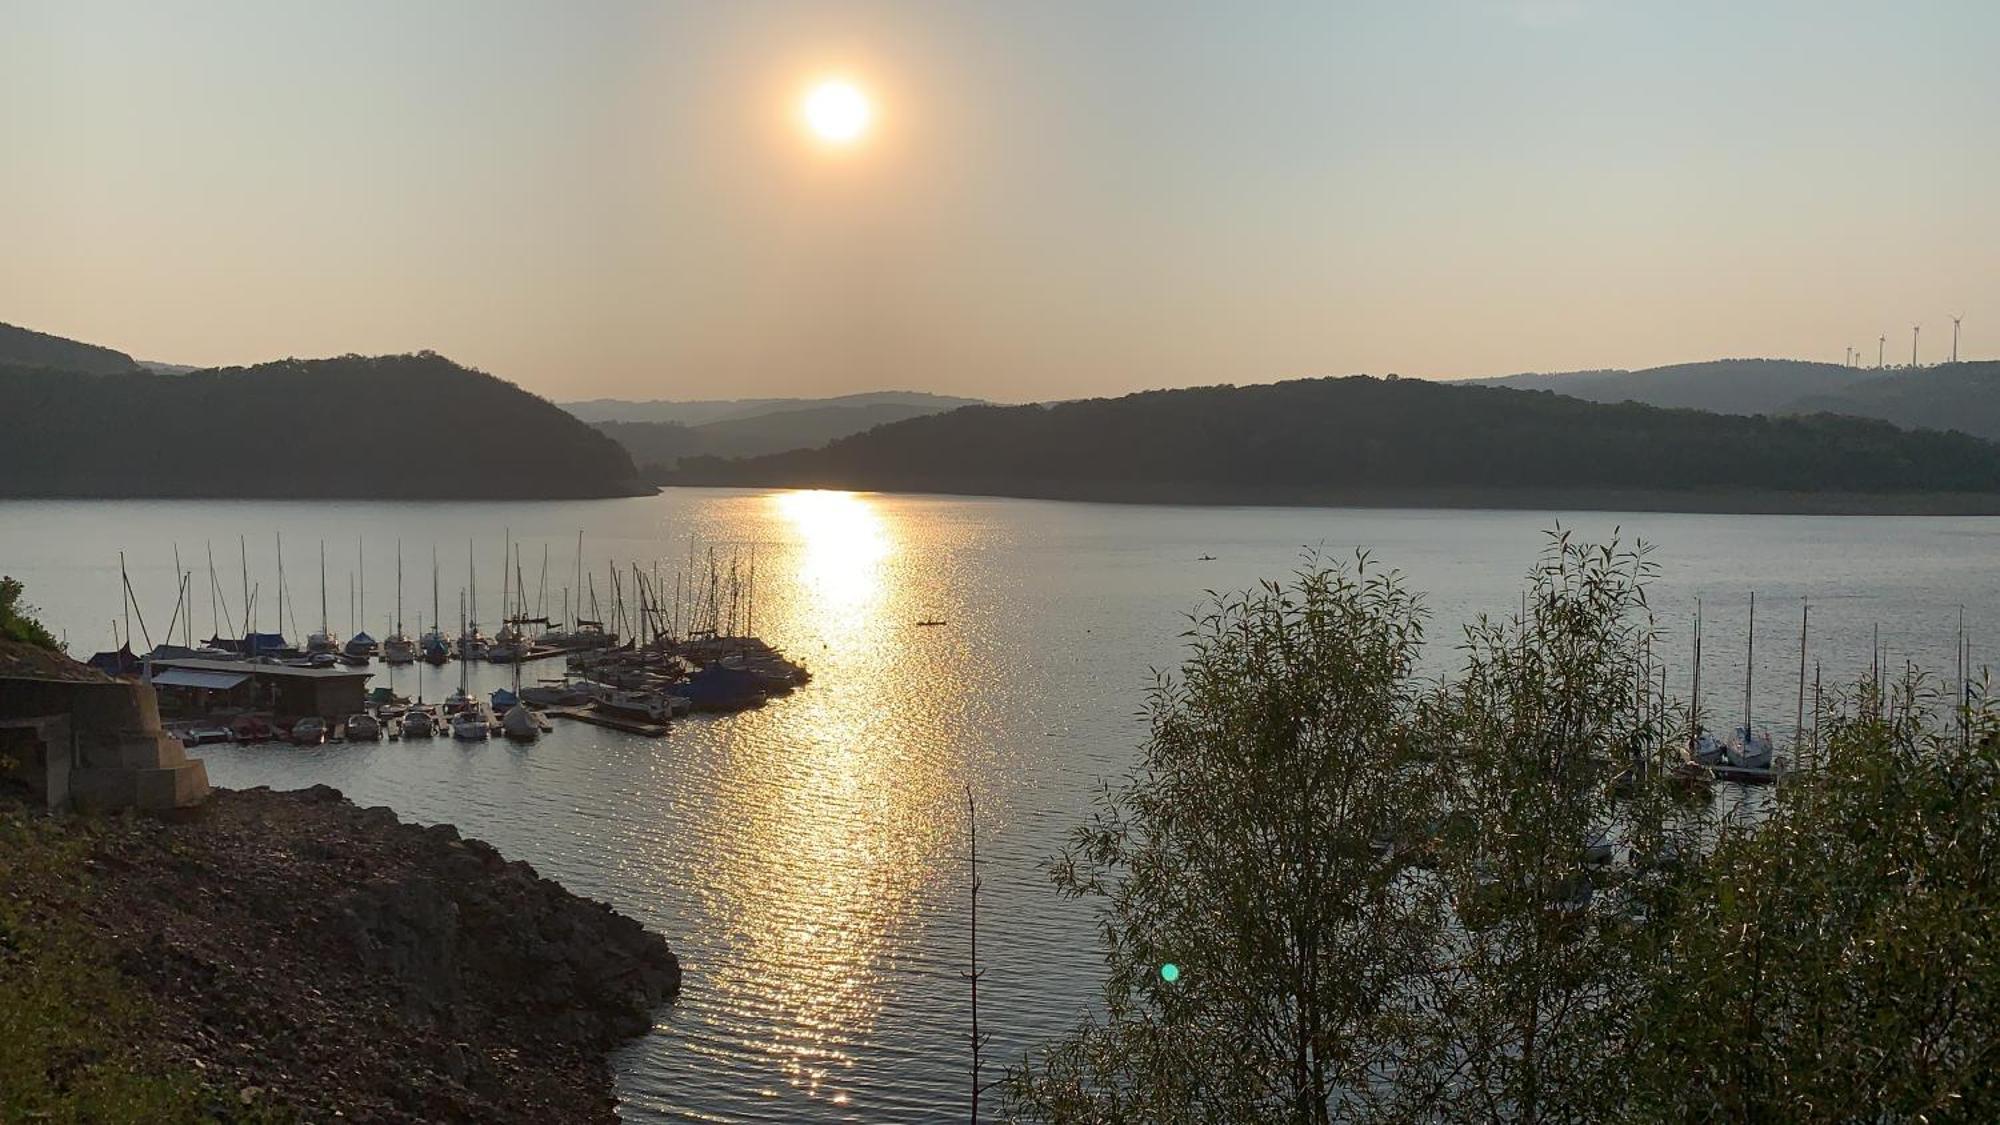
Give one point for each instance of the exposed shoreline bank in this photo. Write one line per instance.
(300, 955)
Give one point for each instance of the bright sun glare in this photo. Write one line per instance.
(837, 112)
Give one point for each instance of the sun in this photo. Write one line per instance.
(837, 111)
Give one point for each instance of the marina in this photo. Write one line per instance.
(691, 652)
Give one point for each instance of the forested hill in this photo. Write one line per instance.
(1958, 396)
(28, 348)
(1364, 440)
(408, 426)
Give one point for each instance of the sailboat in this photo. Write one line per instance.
(471, 642)
(468, 718)
(322, 641)
(1746, 749)
(436, 647)
(397, 647)
(360, 646)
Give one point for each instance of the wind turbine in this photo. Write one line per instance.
(1954, 336)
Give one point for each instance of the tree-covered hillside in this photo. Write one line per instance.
(415, 426)
(28, 348)
(664, 444)
(1363, 432)
(1948, 396)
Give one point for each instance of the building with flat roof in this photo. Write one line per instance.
(284, 690)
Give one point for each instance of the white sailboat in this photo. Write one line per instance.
(397, 647)
(322, 641)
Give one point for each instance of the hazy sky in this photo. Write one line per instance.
(1059, 198)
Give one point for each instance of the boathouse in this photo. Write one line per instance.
(282, 689)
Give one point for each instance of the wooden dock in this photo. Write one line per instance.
(593, 716)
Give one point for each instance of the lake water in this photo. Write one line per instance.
(808, 861)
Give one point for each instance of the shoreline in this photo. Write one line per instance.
(298, 955)
(1459, 497)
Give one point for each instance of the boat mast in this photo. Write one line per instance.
(462, 628)
(325, 630)
(1749, 666)
(281, 584)
(243, 549)
(1694, 706)
(468, 598)
(437, 625)
(361, 569)
(1805, 615)
(399, 587)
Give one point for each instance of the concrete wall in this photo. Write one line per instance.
(120, 758)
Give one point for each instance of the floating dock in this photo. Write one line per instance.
(595, 717)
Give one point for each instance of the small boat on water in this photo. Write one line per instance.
(309, 731)
(363, 727)
(650, 706)
(398, 649)
(436, 649)
(361, 644)
(1747, 749)
(249, 728)
(519, 723)
(419, 722)
(556, 693)
(720, 687)
(471, 725)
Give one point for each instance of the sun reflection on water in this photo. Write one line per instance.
(834, 792)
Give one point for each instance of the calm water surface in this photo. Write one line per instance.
(808, 860)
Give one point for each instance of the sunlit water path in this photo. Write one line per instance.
(807, 860)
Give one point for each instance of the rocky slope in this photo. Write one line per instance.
(318, 960)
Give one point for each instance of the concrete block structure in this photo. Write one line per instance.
(95, 745)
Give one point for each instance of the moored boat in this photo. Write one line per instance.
(419, 722)
(471, 725)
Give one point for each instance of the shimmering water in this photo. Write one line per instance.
(808, 860)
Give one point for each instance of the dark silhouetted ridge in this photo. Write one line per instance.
(1364, 440)
(408, 426)
(29, 348)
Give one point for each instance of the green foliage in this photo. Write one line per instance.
(1390, 900)
(1364, 434)
(69, 1022)
(1844, 953)
(1253, 851)
(17, 619)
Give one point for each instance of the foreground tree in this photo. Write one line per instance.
(1544, 743)
(1840, 959)
(1492, 900)
(1253, 916)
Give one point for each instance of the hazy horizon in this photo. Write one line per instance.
(1053, 202)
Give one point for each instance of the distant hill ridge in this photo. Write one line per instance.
(659, 434)
(407, 426)
(1962, 396)
(1363, 440)
(701, 412)
(29, 348)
